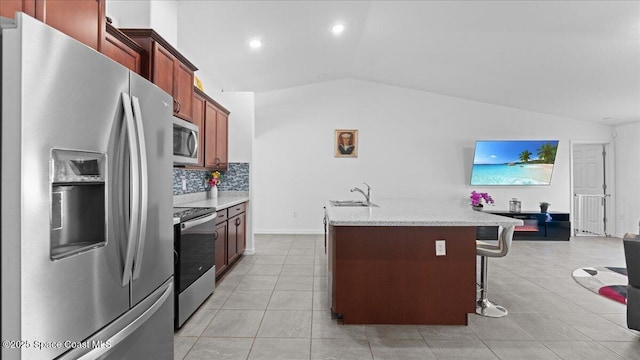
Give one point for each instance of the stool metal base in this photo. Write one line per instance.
(486, 308)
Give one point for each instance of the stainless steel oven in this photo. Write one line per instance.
(185, 142)
(195, 272)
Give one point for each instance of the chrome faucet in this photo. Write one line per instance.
(367, 195)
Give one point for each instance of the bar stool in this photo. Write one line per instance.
(632, 256)
(485, 250)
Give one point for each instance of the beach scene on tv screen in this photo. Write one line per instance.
(517, 162)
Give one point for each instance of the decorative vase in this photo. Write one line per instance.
(213, 192)
(477, 207)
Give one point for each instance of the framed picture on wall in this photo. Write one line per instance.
(346, 144)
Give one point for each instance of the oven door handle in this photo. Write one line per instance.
(191, 223)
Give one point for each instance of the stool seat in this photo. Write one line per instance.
(486, 250)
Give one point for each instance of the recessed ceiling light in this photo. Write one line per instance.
(337, 29)
(255, 43)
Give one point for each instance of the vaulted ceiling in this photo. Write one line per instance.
(577, 59)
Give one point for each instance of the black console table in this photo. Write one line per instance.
(537, 226)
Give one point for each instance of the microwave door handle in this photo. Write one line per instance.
(193, 135)
(134, 189)
(144, 187)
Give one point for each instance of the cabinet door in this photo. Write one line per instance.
(232, 247)
(222, 140)
(8, 8)
(183, 90)
(198, 119)
(241, 232)
(83, 20)
(162, 74)
(121, 53)
(210, 131)
(221, 248)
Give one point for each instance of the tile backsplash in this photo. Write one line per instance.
(236, 178)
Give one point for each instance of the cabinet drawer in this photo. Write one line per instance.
(221, 216)
(237, 209)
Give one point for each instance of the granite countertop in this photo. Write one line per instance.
(223, 201)
(219, 203)
(413, 212)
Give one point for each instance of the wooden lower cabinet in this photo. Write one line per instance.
(237, 236)
(231, 238)
(391, 275)
(221, 248)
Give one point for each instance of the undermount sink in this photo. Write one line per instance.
(351, 203)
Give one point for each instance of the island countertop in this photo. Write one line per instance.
(413, 212)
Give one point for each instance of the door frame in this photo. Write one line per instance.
(609, 175)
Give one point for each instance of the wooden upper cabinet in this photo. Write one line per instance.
(183, 89)
(210, 134)
(214, 131)
(123, 50)
(197, 118)
(167, 68)
(83, 20)
(8, 8)
(163, 69)
(222, 139)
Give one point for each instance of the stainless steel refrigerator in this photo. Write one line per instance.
(87, 232)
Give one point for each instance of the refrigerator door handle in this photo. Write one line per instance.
(144, 187)
(135, 188)
(103, 347)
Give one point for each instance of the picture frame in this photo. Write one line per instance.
(346, 143)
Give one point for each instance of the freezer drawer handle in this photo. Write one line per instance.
(124, 332)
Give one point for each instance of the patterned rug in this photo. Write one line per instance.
(610, 282)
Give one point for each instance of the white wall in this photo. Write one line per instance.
(129, 13)
(627, 162)
(164, 19)
(241, 133)
(411, 144)
(159, 15)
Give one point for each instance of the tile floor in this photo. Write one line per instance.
(273, 305)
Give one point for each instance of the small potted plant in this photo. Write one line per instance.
(544, 206)
(213, 179)
(477, 198)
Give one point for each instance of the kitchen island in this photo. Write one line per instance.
(383, 267)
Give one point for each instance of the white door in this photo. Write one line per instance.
(589, 188)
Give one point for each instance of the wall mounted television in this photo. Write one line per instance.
(513, 162)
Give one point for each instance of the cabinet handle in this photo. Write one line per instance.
(175, 105)
(238, 222)
(215, 236)
(217, 161)
(179, 105)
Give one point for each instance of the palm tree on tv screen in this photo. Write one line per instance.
(525, 156)
(547, 153)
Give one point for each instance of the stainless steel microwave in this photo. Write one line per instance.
(185, 142)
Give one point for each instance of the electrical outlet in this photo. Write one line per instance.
(184, 184)
(441, 248)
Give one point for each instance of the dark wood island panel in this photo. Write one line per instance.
(391, 275)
